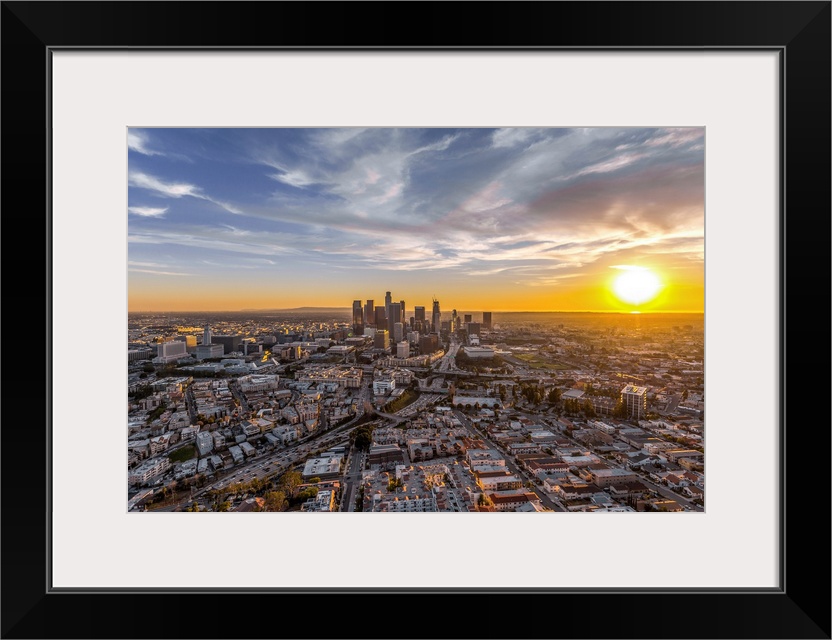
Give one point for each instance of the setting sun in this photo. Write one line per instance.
(636, 285)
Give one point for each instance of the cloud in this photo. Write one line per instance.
(138, 141)
(175, 189)
(535, 204)
(168, 189)
(148, 212)
(160, 273)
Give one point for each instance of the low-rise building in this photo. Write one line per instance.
(204, 443)
(606, 477)
(382, 454)
(236, 453)
(148, 470)
(326, 468)
(512, 500)
(323, 501)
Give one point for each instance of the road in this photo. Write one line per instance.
(352, 479)
(239, 396)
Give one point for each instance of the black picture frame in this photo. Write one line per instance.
(799, 31)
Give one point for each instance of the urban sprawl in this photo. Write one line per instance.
(397, 409)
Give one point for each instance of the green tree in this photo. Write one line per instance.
(275, 501)
(289, 482)
(588, 408)
(554, 395)
(308, 494)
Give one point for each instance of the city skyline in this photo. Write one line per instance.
(501, 219)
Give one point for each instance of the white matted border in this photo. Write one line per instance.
(97, 95)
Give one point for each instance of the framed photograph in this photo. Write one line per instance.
(203, 174)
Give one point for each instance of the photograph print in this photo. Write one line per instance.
(416, 320)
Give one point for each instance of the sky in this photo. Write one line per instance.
(517, 219)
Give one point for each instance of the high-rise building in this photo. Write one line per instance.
(388, 298)
(357, 318)
(369, 312)
(473, 328)
(381, 339)
(230, 343)
(454, 321)
(635, 401)
(170, 351)
(404, 313)
(403, 349)
(394, 315)
(206, 335)
(467, 318)
(398, 332)
(420, 313)
(381, 318)
(486, 319)
(435, 317)
(428, 343)
(190, 342)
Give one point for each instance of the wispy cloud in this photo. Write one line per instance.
(138, 141)
(175, 189)
(148, 212)
(535, 206)
(159, 273)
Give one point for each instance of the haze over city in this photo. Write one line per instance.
(500, 219)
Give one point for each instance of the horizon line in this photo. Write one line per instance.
(349, 309)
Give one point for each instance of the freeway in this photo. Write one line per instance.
(352, 479)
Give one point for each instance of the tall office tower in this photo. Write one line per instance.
(435, 316)
(428, 344)
(398, 332)
(404, 314)
(473, 328)
(635, 400)
(387, 300)
(468, 318)
(369, 312)
(454, 321)
(394, 316)
(206, 335)
(419, 319)
(403, 349)
(357, 318)
(381, 319)
(381, 339)
(411, 323)
(486, 319)
(230, 343)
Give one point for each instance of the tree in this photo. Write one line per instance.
(588, 408)
(275, 501)
(554, 395)
(290, 481)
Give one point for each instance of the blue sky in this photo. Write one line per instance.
(518, 218)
